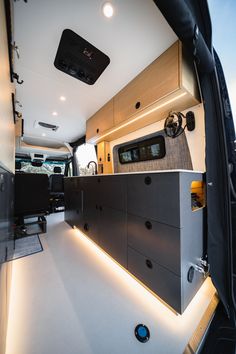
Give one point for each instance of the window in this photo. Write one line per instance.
(84, 154)
(47, 166)
(149, 149)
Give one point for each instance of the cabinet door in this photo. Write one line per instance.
(156, 81)
(100, 121)
(73, 201)
(90, 204)
(112, 234)
(154, 196)
(112, 191)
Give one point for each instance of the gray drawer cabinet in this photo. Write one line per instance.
(146, 223)
(161, 281)
(159, 241)
(154, 196)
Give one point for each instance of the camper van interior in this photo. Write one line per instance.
(117, 174)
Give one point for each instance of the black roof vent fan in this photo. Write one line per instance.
(80, 59)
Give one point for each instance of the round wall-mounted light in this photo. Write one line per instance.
(108, 9)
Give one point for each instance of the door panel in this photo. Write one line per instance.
(112, 234)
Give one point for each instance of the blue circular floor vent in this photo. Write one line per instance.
(142, 333)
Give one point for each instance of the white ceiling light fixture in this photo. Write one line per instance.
(63, 98)
(43, 134)
(54, 113)
(108, 9)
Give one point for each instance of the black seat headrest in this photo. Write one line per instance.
(57, 169)
(18, 165)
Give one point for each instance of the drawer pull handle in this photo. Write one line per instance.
(97, 130)
(149, 264)
(137, 105)
(100, 208)
(190, 274)
(148, 225)
(147, 180)
(86, 227)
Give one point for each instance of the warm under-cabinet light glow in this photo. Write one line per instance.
(144, 295)
(140, 116)
(108, 10)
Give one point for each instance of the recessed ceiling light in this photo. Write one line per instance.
(43, 134)
(54, 113)
(108, 9)
(62, 98)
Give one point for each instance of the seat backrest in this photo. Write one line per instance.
(31, 194)
(56, 183)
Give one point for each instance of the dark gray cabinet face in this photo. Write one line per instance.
(73, 202)
(89, 207)
(159, 241)
(112, 191)
(145, 222)
(154, 196)
(164, 283)
(112, 233)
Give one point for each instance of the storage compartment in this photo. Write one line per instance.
(164, 283)
(167, 84)
(100, 121)
(155, 196)
(159, 241)
(198, 198)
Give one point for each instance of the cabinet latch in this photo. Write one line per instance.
(202, 267)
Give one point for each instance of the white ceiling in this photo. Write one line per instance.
(133, 38)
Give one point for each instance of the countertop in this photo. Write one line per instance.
(141, 172)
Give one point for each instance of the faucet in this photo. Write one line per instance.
(96, 167)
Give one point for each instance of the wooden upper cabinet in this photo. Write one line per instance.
(168, 84)
(161, 78)
(100, 121)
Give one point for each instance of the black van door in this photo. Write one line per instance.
(190, 19)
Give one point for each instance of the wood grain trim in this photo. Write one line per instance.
(197, 338)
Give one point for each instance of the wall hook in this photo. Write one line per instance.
(16, 76)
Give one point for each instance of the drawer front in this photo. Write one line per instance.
(155, 196)
(159, 241)
(165, 284)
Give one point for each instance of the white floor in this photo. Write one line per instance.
(73, 299)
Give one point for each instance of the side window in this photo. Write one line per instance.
(70, 171)
(84, 154)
